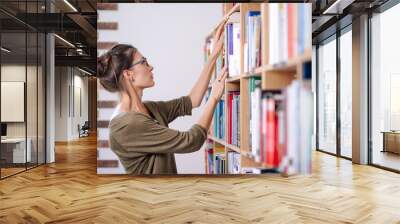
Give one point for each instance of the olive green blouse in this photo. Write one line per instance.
(145, 145)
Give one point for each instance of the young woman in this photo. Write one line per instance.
(139, 133)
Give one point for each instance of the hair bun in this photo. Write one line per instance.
(102, 65)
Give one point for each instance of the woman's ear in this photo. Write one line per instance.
(129, 75)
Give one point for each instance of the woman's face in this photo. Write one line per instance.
(142, 72)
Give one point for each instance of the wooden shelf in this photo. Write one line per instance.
(235, 78)
(218, 140)
(233, 147)
(289, 65)
(273, 77)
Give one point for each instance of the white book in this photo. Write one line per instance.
(307, 25)
(236, 49)
(282, 32)
(285, 36)
(293, 127)
(306, 124)
(257, 41)
(273, 32)
(256, 110)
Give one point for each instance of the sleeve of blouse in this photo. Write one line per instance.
(176, 107)
(142, 134)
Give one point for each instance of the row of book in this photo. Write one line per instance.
(233, 118)
(289, 30)
(215, 158)
(289, 35)
(281, 127)
(216, 161)
(252, 45)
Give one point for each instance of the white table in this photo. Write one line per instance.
(19, 149)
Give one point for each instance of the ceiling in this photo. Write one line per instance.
(332, 15)
(74, 22)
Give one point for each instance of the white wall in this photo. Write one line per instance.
(66, 121)
(171, 36)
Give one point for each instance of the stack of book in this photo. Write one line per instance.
(289, 31)
(233, 118)
(252, 45)
(233, 162)
(232, 44)
(219, 120)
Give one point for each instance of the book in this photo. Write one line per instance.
(233, 162)
(271, 104)
(219, 159)
(219, 120)
(254, 124)
(296, 150)
(253, 40)
(233, 118)
(289, 31)
(209, 155)
(232, 44)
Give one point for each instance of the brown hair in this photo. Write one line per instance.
(111, 64)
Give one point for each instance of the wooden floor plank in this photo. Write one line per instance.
(70, 191)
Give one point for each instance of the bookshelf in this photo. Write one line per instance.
(275, 74)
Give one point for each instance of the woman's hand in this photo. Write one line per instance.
(219, 38)
(216, 93)
(218, 86)
(200, 87)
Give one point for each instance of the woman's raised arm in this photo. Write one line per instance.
(200, 87)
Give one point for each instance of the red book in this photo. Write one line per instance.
(270, 137)
(276, 160)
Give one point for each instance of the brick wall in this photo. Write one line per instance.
(107, 161)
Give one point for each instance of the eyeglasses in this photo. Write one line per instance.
(142, 61)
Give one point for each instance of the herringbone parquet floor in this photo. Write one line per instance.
(70, 191)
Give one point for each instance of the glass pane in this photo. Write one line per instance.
(385, 91)
(346, 94)
(41, 98)
(13, 86)
(31, 98)
(327, 97)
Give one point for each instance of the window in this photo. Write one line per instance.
(327, 96)
(346, 92)
(385, 89)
